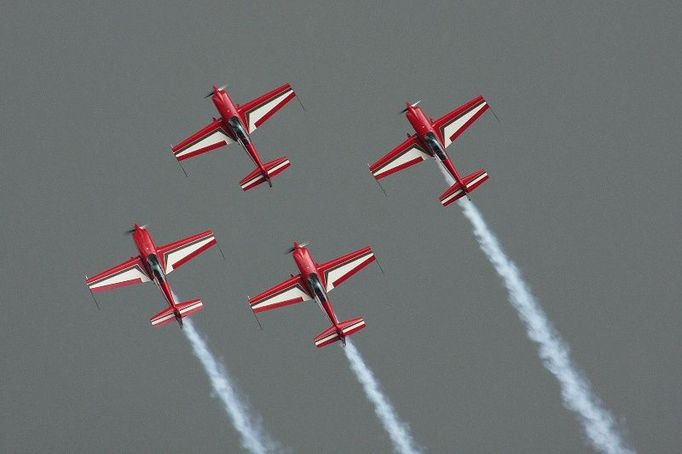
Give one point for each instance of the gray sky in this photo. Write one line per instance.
(584, 195)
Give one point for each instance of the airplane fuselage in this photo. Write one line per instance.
(314, 282)
(430, 139)
(233, 123)
(153, 267)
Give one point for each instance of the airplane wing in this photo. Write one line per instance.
(407, 154)
(452, 124)
(208, 138)
(179, 252)
(291, 291)
(341, 268)
(259, 110)
(127, 273)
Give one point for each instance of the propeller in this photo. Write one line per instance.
(296, 246)
(212, 92)
(415, 104)
(131, 231)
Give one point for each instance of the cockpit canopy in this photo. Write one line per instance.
(434, 145)
(432, 141)
(238, 129)
(155, 265)
(316, 286)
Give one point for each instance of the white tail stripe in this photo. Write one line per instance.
(193, 306)
(355, 325)
(250, 183)
(476, 180)
(260, 177)
(156, 321)
(451, 196)
(277, 167)
(328, 338)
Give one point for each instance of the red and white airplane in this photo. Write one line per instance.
(431, 139)
(313, 282)
(235, 124)
(153, 264)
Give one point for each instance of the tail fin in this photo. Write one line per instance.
(272, 168)
(345, 329)
(178, 312)
(456, 191)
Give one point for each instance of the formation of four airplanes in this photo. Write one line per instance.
(314, 281)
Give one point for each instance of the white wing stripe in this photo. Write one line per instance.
(341, 271)
(181, 253)
(212, 139)
(263, 110)
(128, 275)
(290, 294)
(409, 155)
(456, 125)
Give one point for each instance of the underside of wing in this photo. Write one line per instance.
(208, 138)
(179, 252)
(127, 273)
(341, 268)
(291, 291)
(259, 110)
(454, 123)
(407, 154)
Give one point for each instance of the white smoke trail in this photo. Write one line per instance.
(253, 436)
(576, 390)
(397, 430)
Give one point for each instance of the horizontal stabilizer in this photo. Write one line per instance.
(189, 307)
(272, 168)
(326, 337)
(333, 334)
(456, 191)
(352, 326)
(180, 311)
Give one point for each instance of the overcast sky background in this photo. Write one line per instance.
(584, 193)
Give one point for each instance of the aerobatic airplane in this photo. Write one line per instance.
(313, 282)
(235, 124)
(153, 264)
(431, 139)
